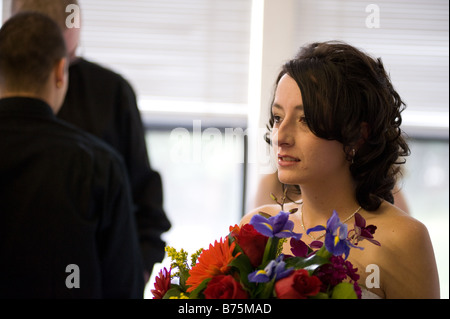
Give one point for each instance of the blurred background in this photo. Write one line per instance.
(204, 71)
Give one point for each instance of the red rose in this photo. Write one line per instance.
(224, 287)
(252, 244)
(299, 285)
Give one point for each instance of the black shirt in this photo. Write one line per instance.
(103, 103)
(64, 200)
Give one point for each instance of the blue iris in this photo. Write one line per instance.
(275, 268)
(336, 241)
(276, 226)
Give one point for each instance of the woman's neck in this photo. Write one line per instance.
(320, 202)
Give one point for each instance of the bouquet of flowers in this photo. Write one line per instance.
(248, 263)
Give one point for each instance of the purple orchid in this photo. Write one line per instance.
(361, 232)
(336, 241)
(299, 248)
(274, 269)
(276, 226)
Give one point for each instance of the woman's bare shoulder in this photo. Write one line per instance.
(395, 223)
(402, 238)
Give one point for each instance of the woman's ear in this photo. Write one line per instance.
(352, 149)
(363, 135)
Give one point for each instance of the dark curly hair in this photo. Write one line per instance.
(344, 89)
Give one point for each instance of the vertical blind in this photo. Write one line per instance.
(187, 50)
(411, 38)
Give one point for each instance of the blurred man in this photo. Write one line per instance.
(66, 223)
(103, 103)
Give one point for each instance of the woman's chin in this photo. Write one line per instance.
(288, 179)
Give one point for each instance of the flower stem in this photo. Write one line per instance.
(270, 250)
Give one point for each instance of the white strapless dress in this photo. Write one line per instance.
(366, 294)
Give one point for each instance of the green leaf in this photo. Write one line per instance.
(270, 252)
(320, 295)
(184, 275)
(323, 252)
(265, 290)
(197, 293)
(310, 263)
(175, 291)
(344, 290)
(243, 265)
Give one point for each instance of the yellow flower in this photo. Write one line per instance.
(181, 296)
(179, 259)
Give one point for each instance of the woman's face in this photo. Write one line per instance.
(303, 158)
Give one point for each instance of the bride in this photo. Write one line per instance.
(335, 126)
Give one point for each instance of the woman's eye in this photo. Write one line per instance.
(303, 120)
(276, 119)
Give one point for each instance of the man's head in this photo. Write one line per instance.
(33, 58)
(59, 11)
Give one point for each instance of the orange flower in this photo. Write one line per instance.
(234, 230)
(212, 262)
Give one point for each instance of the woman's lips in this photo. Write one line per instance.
(286, 160)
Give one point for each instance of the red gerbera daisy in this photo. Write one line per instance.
(162, 284)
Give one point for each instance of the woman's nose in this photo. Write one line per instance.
(283, 135)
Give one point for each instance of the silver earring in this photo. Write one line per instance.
(353, 155)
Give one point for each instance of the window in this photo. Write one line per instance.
(412, 39)
(180, 56)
